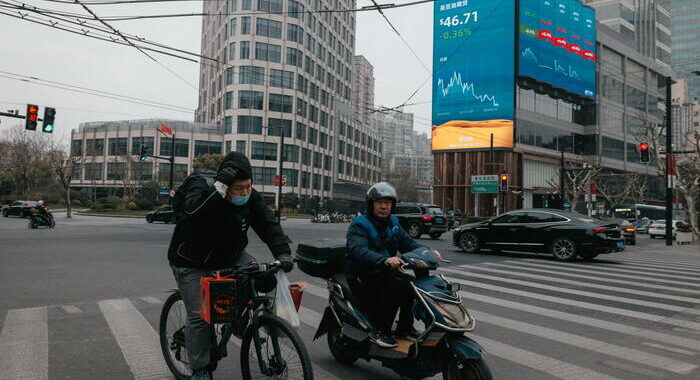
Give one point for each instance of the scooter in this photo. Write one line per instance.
(36, 220)
(442, 346)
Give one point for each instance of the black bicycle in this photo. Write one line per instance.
(270, 348)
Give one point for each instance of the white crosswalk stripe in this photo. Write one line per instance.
(662, 262)
(597, 304)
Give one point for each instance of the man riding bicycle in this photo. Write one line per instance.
(210, 235)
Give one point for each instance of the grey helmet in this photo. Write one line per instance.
(381, 190)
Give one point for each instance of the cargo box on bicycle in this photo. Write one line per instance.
(321, 258)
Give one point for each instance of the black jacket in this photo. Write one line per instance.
(213, 232)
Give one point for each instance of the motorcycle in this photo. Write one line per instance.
(442, 346)
(36, 220)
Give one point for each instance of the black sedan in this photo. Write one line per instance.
(565, 235)
(19, 208)
(164, 214)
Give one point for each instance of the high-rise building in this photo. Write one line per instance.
(395, 129)
(284, 70)
(363, 89)
(686, 43)
(645, 24)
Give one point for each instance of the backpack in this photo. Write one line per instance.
(181, 192)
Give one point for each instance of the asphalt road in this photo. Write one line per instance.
(82, 301)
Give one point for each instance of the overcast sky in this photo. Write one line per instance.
(43, 52)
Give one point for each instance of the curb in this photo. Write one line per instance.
(110, 215)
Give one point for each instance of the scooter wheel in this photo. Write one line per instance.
(466, 370)
(339, 351)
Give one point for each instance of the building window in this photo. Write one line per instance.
(76, 148)
(291, 153)
(281, 78)
(252, 75)
(296, 10)
(318, 157)
(264, 176)
(301, 107)
(250, 124)
(228, 127)
(276, 126)
(268, 52)
(280, 103)
(327, 163)
(341, 147)
(295, 57)
(305, 180)
(300, 131)
(313, 135)
(93, 171)
(117, 146)
(263, 151)
(229, 74)
(305, 156)
(252, 100)
(302, 84)
(313, 113)
(341, 166)
(179, 171)
(323, 140)
(182, 147)
(295, 32)
(240, 146)
(142, 171)
(228, 147)
(206, 147)
(317, 182)
(116, 170)
(136, 143)
(228, 100)
(245, 25)
(234, 26)
(268, 28)
(245, 50)
(292, 177)
(613, 148)
(326, 183)
(246, 5)
(270, 6)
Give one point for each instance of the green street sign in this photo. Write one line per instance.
(485, 184)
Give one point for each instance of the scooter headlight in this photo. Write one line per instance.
(455, 315)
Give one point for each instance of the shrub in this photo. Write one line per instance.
(145, 203)
(132, 206)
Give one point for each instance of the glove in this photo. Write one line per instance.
(287, 262)
(226, 175)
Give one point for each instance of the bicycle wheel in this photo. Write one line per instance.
(282, 352)
(172, 336)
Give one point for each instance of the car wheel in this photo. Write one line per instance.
(4, 213)
(563, 248)
(652, 236)
(632, 242)
(435, 235)
(469, 242)
(149, 219)
(414, 230)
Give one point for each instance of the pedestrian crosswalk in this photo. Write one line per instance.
(632, 318)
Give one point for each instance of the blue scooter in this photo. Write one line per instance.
(443, 345)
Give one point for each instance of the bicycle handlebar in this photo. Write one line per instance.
(252, 269)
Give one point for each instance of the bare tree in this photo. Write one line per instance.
(64, 166)
(688, 178)
(619, 188)
(406, 185)
(575, 183)
(24, 162)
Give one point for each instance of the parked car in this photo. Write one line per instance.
(565, 235)
(19, 208)
(164, 214)
(642, 225)
(658, 229)
(628, 232)
(418, 219)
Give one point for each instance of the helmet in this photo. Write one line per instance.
(381, 190)
(40, 203)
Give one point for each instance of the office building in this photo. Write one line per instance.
(363, 89)
(686, 44)
(395, 129)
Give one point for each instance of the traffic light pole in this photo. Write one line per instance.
(172, 168)
(669, 155)
(279, 181)
(17, 116)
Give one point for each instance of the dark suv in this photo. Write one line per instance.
(418, 219)
(164, 214)
(19, 208)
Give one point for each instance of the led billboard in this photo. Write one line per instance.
(473, 74)
(557, 45)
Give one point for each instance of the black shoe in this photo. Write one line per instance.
(407, 333)
(385, 340)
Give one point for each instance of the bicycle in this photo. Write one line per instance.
(273, 339)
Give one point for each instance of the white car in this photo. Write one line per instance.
(658, 228)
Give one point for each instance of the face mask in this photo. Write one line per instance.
(238, 200)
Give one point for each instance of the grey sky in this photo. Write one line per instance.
(47, 53)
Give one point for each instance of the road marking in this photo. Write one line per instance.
(593, 345)
(670, 349)
(69, 309)
(657, 268)
(151, 300)
(682, 264)
(585, 305)
(589, 278)
(24, 345)
(646, 373)
(550, 366)
(583, 293)
(643, 278)
(614, 272)
(137, 339)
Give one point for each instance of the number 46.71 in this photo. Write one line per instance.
(454, 20)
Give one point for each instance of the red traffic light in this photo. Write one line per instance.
(32, 117)
(643, 146)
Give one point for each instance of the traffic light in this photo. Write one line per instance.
(504, 182)
(49, 114)
(143, 154)
(644, 153)
(32, 117)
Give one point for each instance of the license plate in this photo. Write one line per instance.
(439, 220)
(620, 244)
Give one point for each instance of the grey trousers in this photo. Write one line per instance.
(197, 332)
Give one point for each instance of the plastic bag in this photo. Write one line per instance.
(284, 305)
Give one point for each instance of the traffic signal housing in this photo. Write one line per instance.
(504, 182)
(644, 152)
(32, 117)
(143, 153)
(49, 115)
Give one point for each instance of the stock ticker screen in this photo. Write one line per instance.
(557, 45)
(473, 74)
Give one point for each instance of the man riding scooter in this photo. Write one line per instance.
(373, 242)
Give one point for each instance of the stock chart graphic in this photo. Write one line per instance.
(473, 74)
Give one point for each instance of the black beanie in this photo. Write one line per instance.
(238, 161)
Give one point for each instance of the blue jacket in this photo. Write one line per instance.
(367, 248)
